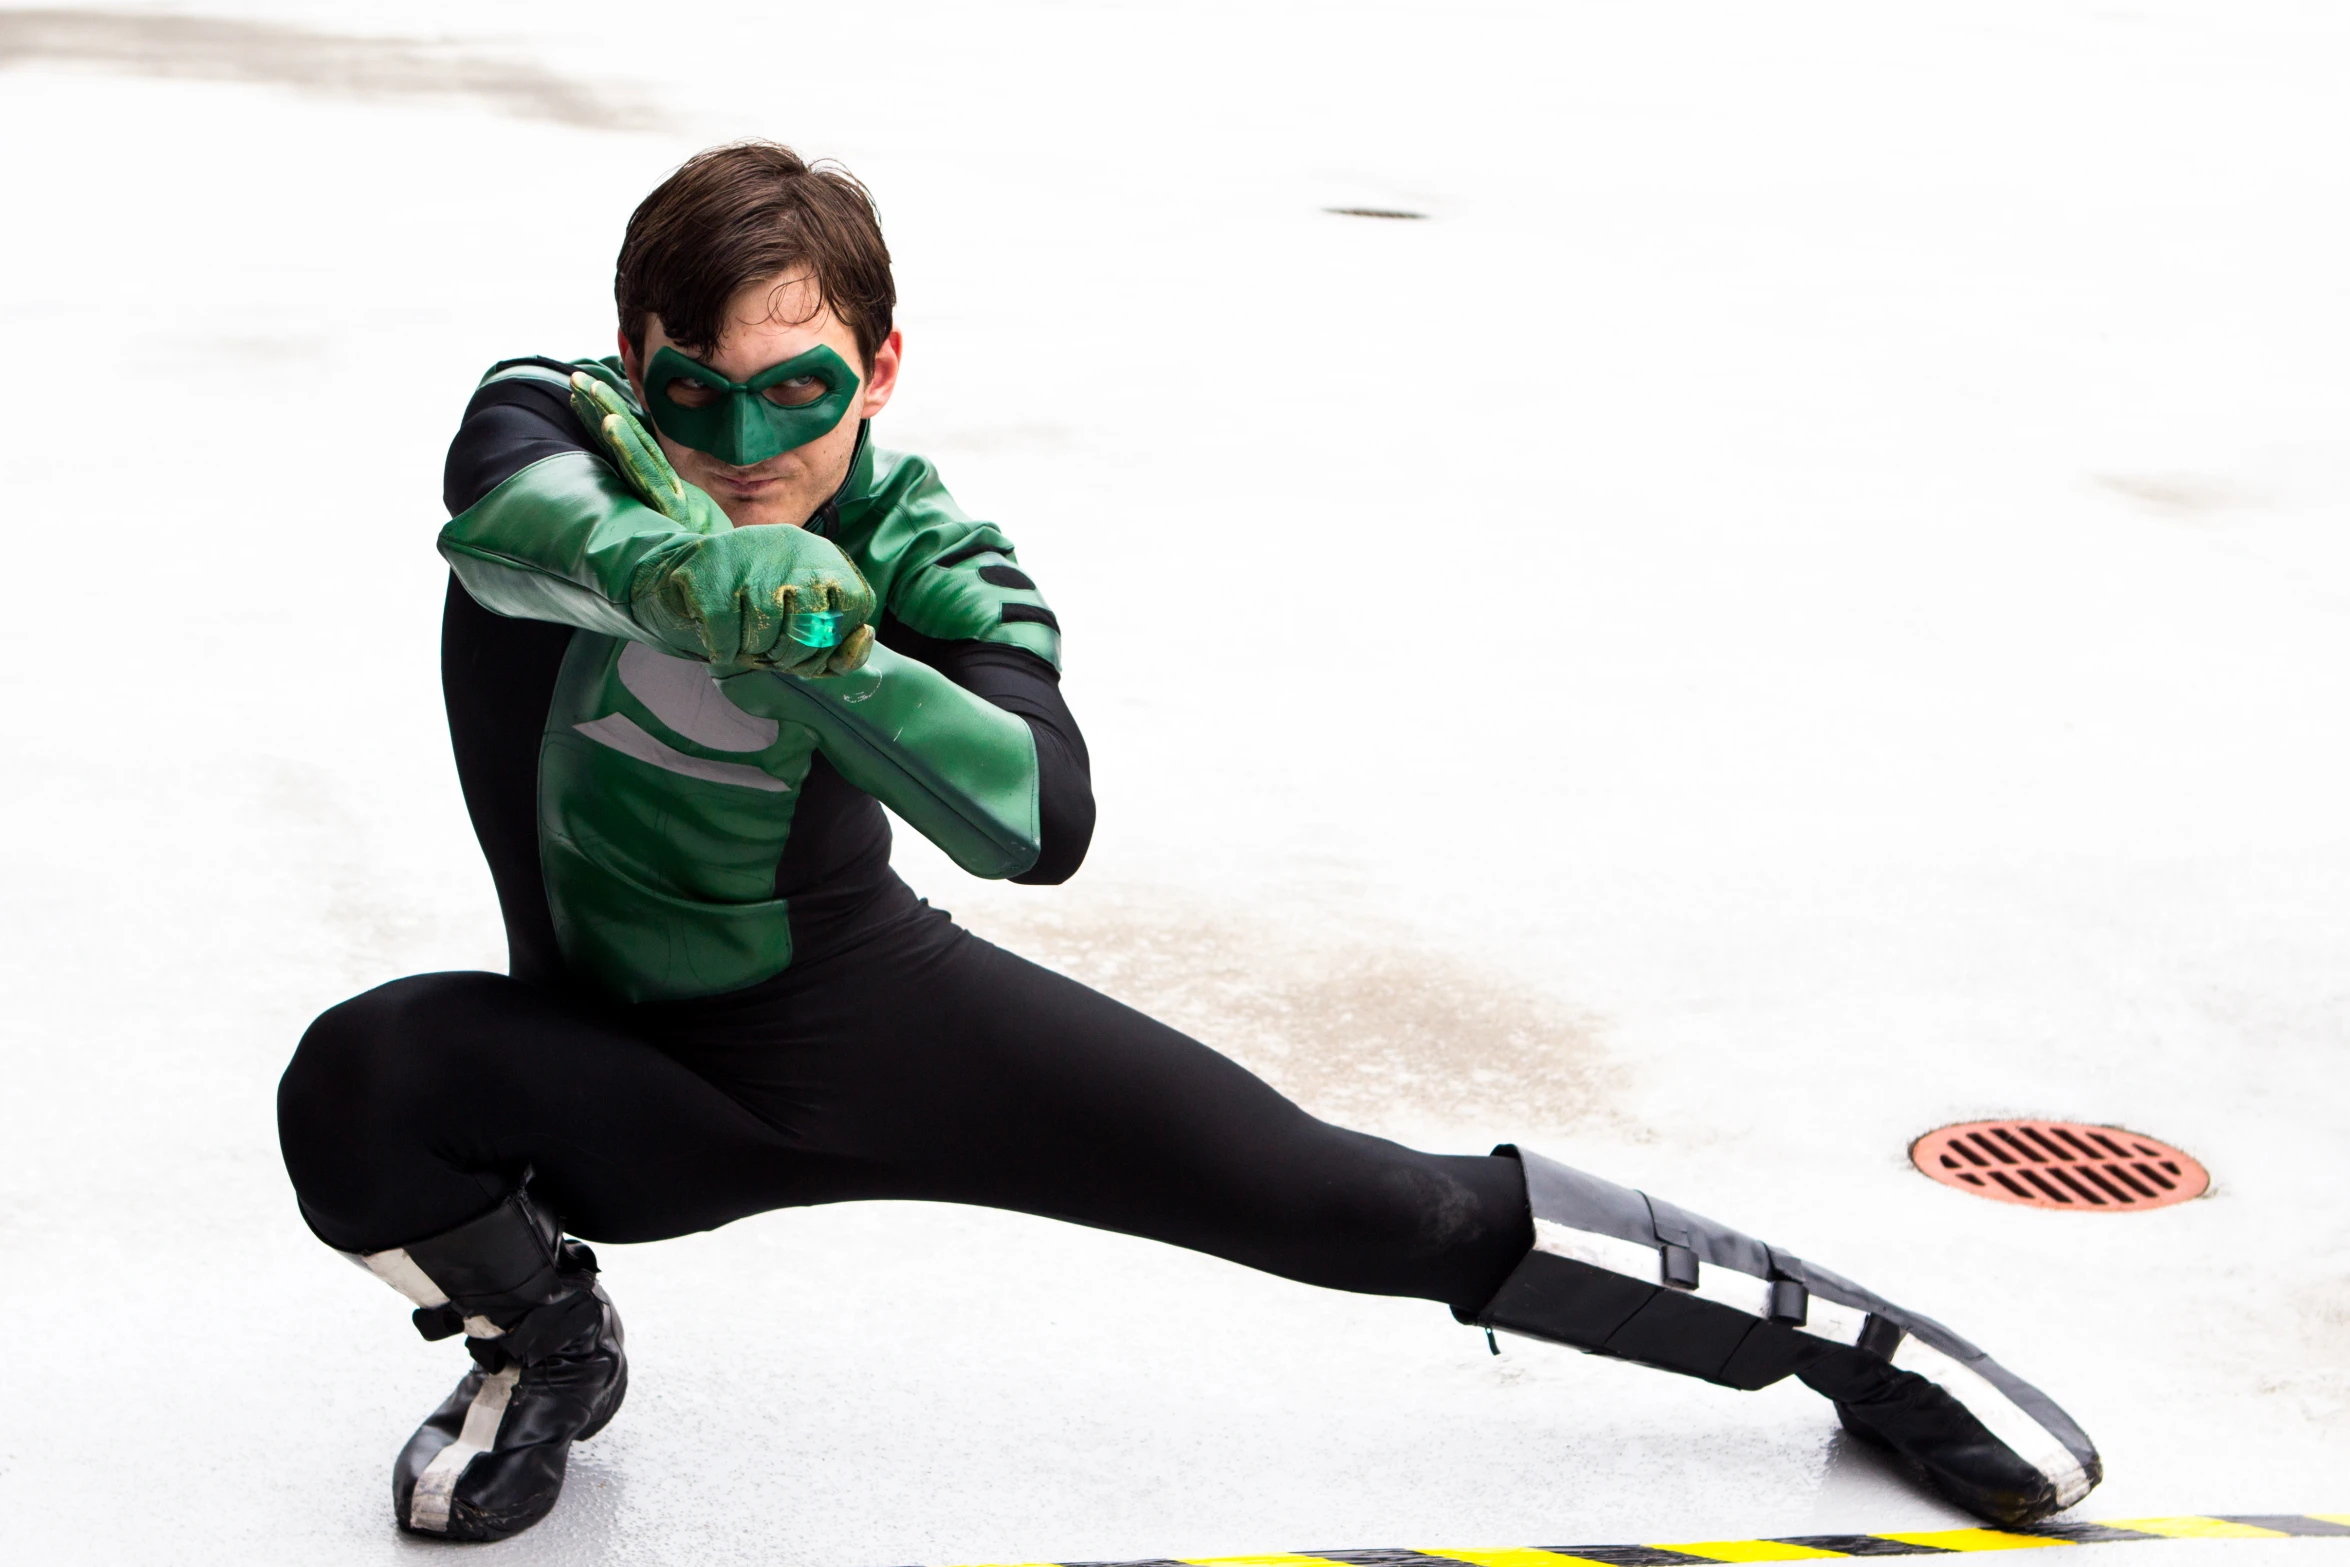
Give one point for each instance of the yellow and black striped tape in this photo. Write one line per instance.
(2230, 1526)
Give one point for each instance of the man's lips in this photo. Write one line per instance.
(746, 487)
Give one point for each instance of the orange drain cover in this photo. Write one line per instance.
(2060, 1164)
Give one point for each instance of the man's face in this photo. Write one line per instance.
(769, 321)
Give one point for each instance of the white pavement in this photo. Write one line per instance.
(1814, 602)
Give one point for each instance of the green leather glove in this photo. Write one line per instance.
(770, 597)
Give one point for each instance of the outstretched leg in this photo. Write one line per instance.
(934, 1066)
(986, 1079)
(1618, 1272)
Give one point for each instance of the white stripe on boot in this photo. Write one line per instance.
(428, 1508)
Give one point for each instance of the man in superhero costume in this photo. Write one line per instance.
(699, 631)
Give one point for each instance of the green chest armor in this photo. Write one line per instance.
(666, 799)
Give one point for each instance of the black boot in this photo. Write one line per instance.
(549, 1370)
(1617, 1272)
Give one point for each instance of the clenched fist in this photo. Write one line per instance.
(776, 597)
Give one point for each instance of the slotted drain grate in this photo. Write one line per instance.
(2060, 1164)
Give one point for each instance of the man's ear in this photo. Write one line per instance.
(631, 366)
(881, 377)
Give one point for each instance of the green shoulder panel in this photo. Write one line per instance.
(938, 571)
(606, 370)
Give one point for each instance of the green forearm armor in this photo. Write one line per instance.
(959, 769)
(563, 540)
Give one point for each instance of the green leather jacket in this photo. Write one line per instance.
(665, 794)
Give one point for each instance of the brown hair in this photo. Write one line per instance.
(735, 214)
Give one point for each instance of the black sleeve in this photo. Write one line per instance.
(498, 674)
(508, 426)
(1018, 681)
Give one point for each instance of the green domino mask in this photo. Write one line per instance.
(745, 422)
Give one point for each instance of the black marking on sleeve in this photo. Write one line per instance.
(1860, 1545)
(1623, 1555)
(1007, 577)
(1036, 612)
(963, 552)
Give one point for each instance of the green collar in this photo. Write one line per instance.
(825, 521)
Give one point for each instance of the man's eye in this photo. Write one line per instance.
(798, 392)
(687, 393)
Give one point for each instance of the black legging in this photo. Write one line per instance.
(920, 1063)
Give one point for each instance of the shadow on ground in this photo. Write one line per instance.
(333, 64)
(1359, 1026)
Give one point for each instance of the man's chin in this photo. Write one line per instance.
(752, 505)
(770, 516)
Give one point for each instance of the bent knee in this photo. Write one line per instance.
(374, 1061)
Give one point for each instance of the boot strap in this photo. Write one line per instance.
(551, 1328)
